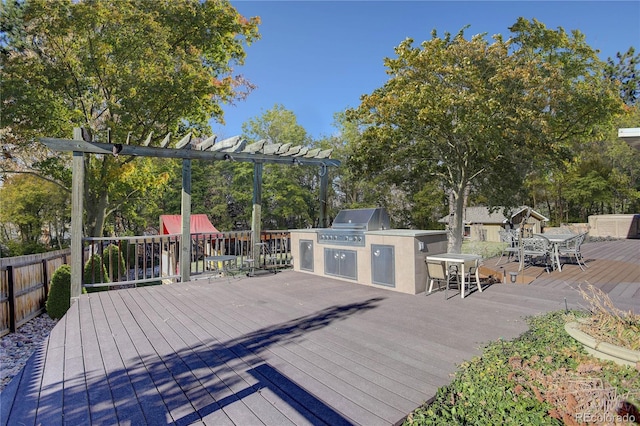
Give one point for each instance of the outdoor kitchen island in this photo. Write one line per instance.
(360, 248)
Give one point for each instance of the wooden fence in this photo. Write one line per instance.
(24, 286)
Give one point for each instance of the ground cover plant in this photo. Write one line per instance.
(544, 377)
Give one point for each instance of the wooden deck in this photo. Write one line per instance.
(286, 348)
(612, 266)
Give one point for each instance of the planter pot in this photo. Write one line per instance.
(603, 350)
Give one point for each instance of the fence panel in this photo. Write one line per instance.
(24, 287)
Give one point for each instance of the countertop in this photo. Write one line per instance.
(386, 232)
(406, 232)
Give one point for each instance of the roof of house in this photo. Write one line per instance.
(481, 214)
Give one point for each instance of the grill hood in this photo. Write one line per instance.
(373, 219)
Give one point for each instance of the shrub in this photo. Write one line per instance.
(59, 298)
(607, 323)
(114, 262)
(95, 271)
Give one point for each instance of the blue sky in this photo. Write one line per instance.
(318, 57)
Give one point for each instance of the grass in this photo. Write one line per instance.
(544, 377)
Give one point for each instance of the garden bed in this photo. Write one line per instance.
(543, 377)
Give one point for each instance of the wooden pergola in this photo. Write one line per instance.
(231, 149)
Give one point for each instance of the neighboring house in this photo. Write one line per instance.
(482, 225)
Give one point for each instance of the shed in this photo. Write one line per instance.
(199, 224)
(481, 224)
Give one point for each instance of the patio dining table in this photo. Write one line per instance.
(556, 241)
(466, 261)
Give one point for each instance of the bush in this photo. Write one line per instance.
(114, 262)
(59, 298)
(607, 323)
(95, 271)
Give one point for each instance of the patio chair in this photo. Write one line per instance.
(439, 274)
(535, 249)
(270, 255)
(471, 269)
(571, 248)
(264, 256)
(511, 248)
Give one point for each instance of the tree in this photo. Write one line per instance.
(625, 73)
(290, 194)
(605, 169)
(478, 116)
(213, 193)
(28, 206)
(121, 69)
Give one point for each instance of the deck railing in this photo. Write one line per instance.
(138, 261)
(133, 261)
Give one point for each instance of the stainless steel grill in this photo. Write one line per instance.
(349, 226)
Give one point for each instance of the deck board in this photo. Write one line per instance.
(284, 349)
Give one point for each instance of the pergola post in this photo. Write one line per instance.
(256, 211)
(185, 241)
(77, 210)
(324, 184)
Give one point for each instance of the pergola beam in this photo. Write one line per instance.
(68, 145)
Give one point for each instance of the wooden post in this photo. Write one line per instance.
(77, 210)
(11, 299)
(45, 277)
(256, 212)
(185, 242)
(324, 183)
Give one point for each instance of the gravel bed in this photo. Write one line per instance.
(16, 348)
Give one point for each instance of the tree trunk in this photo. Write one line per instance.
(457, 202)
(96, 214)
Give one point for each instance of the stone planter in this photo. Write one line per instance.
(603, 350)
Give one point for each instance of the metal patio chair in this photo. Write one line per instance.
(537, 249)
(265, 257)
(571, 248)
(511, 249)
